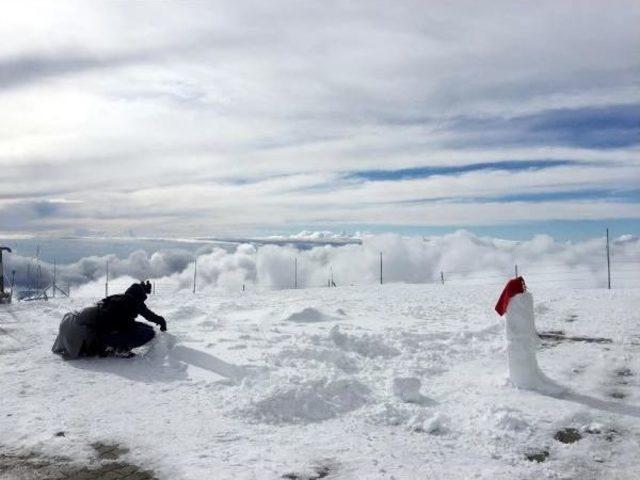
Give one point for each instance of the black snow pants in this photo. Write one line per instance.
(135, 336)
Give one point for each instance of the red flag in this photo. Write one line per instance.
(513, 287)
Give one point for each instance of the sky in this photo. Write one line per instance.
(251, 118)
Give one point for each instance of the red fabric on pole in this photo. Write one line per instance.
(513, 287)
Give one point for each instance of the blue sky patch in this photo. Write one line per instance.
(601, 127)
(429, 171)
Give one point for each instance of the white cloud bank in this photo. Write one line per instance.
(462, 256)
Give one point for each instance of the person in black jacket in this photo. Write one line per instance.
(109, 327)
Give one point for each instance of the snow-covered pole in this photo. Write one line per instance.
(608, 263)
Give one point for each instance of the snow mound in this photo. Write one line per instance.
(509, 419)
(366, 345)
(308, 315)
(309, 402)
(408, 390)
(435, 424)
(389, 415)
(333, 357)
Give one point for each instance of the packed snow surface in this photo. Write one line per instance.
(379, 382)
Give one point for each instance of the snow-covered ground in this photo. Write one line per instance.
(396, 381)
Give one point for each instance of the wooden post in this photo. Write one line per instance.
(195, 273)
(608, 263)
(380, 268)
(13, 282)
(442, 277)
(1, 273)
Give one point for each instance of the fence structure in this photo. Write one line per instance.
(624, 272)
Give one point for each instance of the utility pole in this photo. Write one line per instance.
(2, 294)
(7, 249)
(195, 273)
(13, 283)
(106, 283)
(39, 277)
(608, 263)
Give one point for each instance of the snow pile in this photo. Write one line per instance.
(332, 357)
(508, 419)
(408, 390)
(389, 414)
(307, 315)
(365, 345)
(434, 424)
(306, 402)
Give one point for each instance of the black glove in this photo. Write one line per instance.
(162, 322)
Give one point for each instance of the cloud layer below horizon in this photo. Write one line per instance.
(462, 257)
(214, 118)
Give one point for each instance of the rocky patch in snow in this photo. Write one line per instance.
(33, 465)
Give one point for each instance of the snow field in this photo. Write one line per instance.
(399, 381)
